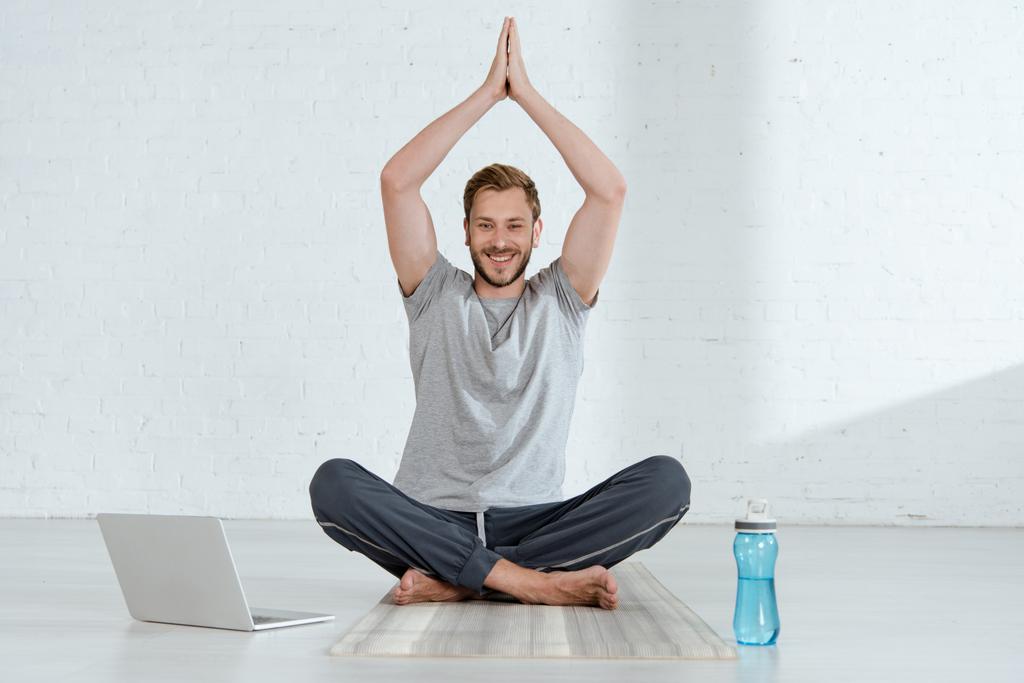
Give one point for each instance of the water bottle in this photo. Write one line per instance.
(756, 620)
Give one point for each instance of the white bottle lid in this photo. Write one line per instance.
(757, 520)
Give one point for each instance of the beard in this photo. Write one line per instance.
(503, 277)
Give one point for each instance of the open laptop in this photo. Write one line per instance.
(178, 569)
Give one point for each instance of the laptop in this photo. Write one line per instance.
(178, 569)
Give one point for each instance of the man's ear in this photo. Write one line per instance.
(538, 226)
(465, 226)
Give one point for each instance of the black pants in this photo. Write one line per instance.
(630, 511)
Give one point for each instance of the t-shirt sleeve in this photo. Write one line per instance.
(441, 273)
(554, 280)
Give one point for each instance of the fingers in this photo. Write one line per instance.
(513, 35)
(503, 38)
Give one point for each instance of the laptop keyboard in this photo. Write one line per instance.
(257, 619)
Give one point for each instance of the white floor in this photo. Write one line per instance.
(856, 604)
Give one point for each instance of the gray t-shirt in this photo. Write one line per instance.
(495, 389)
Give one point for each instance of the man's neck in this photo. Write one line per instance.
(511, 291)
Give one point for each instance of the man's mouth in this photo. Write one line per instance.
(500, 260)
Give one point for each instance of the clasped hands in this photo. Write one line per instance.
(507, 77)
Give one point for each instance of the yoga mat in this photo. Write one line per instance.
(649, 623)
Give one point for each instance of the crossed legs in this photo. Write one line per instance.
(562, 550)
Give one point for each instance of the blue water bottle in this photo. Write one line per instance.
(756, 620)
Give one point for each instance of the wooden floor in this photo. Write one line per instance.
(856, 604)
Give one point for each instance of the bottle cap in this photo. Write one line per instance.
(757, 520)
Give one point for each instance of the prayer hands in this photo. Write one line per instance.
(507, 77)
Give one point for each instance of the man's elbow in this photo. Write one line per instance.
(388, 180)
(613, 193)
(393, 181)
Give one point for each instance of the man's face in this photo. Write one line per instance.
(500, 223)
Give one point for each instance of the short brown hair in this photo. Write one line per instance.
(501, 177)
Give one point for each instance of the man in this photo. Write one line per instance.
(475, 508)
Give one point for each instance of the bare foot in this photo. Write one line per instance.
(417, 587)
(591, 586)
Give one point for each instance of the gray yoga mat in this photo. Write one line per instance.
(649, 622)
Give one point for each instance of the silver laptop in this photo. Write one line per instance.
(178, 569)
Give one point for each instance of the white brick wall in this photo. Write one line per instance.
(816, 295)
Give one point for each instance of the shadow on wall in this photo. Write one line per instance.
(971, 435)
(684, 79)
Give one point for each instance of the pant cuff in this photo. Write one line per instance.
(509, 552)
(478, 565)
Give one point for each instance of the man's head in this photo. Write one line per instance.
(502, 217)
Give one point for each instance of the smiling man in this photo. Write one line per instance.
(501, 247)
(476, 506)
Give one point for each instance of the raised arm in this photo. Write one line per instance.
(411, 238)
(587, 249)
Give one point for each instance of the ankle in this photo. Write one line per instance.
(527, 585)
